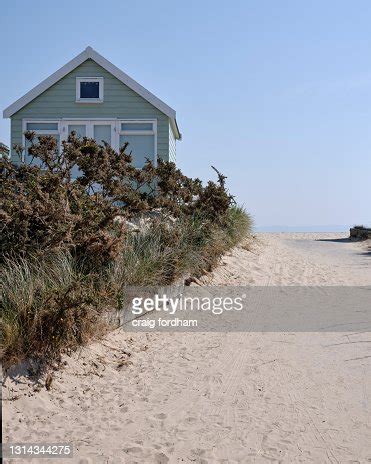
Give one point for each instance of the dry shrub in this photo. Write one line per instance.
(65, 258)
(44, 208)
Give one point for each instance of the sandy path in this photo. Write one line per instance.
(217, 397)
(297, 259)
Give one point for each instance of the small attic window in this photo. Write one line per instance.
(89, 89)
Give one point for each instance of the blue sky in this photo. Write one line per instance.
(276, 95)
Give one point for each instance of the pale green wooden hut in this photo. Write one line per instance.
(91, 96)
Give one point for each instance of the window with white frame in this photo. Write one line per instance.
(40, 128)
(140, 134)
(141, 137)
(89, 89)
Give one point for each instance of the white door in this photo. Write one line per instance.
(98, 130)
(101, 131)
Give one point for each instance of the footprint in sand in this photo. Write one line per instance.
(161, 458)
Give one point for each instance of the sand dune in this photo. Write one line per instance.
(216, 397)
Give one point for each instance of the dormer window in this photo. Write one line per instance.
(89, 89)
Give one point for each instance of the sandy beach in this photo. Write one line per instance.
(216, 397)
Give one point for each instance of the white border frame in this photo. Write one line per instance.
(115, 130)
(140, 132)
(100, 80)
(39, 132)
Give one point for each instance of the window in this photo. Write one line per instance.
(40, 128)
(43, 127)
(89, 89)
(137, 126)
(141, 136)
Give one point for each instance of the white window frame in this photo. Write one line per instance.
(115, 130)
(140, 132)
(39, 132)
(100, 80)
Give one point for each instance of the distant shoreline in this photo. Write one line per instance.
(315, 228)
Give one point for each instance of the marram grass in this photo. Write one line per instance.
(56, 303)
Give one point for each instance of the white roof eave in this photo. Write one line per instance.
(89, 53)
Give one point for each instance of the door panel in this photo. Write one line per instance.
(80, 129)
(102, 133)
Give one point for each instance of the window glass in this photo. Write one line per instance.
(80, 129)
(36, 161)
(89, 89)
(102, 132)
(39, 126)
(140, 146)
(136, 126)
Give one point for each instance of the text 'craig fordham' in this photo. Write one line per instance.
(152, 323)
